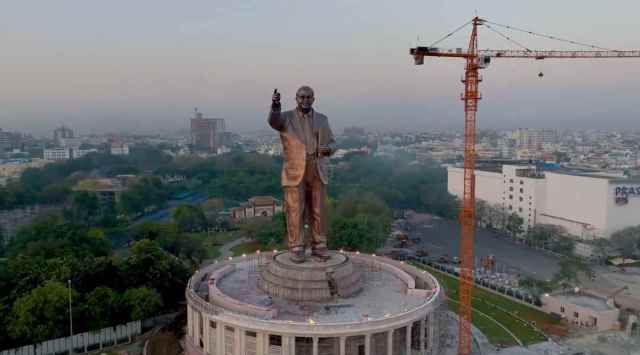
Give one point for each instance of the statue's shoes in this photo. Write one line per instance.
(297, 256)
(321, 253)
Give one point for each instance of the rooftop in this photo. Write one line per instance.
(590, 302)
(374, 301)
(99, 185)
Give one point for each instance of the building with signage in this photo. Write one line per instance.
(588, 204)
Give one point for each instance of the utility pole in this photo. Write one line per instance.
(70, 320)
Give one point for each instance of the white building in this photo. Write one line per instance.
(587, 205)
(70, 142)
(79, 153)
(57, 154)
(119, 149)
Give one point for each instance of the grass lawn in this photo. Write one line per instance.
(211, 243)
(246, 248)
(502, 310)
(493, 332)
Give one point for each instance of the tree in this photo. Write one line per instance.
(142, 302)
(570, 268)
(359, 222)
(150, 266)
(84, 208)
(102, 307)
(148, 192)
(535, 287)
(251, 227)
(541, 235)
(42, 314)
(627, 241)
(171, 239)
(273, 231)
(52, 236)
(3, 241)
(352, 234)
(189, 218)
(563, 245)
(514, 225)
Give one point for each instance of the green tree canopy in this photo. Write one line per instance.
(150, 266)
(627, 241)
(102, 307)
(359, 222)
(42, 314)
(52, 236)
(189, 218)
(142, 302)
(514, 225)
(147, 192)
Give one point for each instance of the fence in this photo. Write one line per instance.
(81, 343)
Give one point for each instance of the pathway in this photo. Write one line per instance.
(225, 250)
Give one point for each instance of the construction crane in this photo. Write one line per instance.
(477, 59)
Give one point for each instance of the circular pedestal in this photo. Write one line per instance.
(310, 281)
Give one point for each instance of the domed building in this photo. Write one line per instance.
(352, 304)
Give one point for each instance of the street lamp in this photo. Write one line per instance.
(70, 320)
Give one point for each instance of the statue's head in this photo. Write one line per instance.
(305, 98)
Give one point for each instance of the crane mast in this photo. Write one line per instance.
(479, 59)
(467, 213)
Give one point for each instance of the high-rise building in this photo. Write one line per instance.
(5, 140)
(62, 133)
(207, 133)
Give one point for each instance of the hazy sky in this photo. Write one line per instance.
(143, 65)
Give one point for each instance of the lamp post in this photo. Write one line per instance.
(70, 321)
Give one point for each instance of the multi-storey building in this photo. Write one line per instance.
(119, 148)
(588, 204)
(62, 133)
(207, 133)
(56, 154)
(535, 139)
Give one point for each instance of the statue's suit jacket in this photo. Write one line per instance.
(292, 136)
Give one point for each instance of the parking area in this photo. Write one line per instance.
(442, 237)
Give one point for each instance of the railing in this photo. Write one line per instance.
(81, 342)
(432, 299)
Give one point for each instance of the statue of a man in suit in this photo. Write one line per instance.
(307, 141)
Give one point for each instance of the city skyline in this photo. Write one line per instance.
(68, 63)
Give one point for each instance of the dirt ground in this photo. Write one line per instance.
(164, 343)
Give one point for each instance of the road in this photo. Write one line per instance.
(440, 236)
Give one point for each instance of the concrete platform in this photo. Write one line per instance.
(311, 281)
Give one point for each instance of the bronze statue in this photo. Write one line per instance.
(307, 141)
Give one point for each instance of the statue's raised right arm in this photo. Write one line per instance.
(275, 118)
